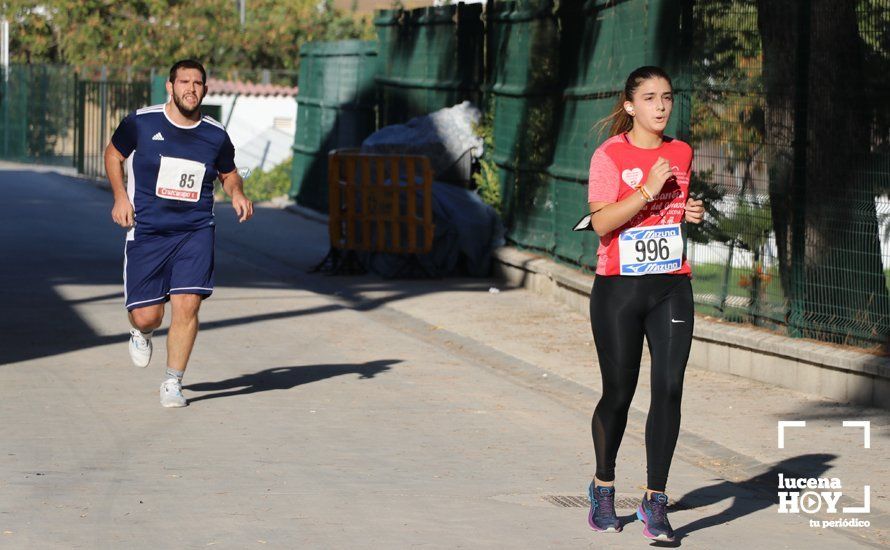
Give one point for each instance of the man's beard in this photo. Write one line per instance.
(183, 108)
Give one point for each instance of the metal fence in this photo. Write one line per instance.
(59, 116)
(36, 114)
(62, 115)
(100, 107)
(786, 109)
(791, 129)
(784, 102)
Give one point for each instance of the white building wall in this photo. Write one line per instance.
(261, 127)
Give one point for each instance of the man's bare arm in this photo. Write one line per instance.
(233, 185)
(122, 211)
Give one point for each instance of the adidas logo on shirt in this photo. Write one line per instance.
(157, 137)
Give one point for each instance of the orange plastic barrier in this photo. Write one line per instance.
(370, 210)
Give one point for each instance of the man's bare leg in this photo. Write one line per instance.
(183, 330)
(147, 319)
(144, 321)
(180, 340)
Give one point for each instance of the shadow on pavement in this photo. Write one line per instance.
(748, 496)
(285, 378)
(58, 231)
(838, 412)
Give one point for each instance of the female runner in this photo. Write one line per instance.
(639, 195)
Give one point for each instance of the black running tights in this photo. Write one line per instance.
(622, 310)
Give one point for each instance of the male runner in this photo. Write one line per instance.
(173, 156)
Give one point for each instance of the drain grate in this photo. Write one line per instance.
(566, 501)
(622, 502)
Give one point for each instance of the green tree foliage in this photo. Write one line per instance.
(747, 107)
(727, 107)
(150, 33)
(486, 179)
(874, 29)
(264, 185)
(825, 120)
(33, 37)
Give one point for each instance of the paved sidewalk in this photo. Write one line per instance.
(332, 412)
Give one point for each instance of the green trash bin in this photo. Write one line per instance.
(335, 109)
(431, 58)
(525, 97)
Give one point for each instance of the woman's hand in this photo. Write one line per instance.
(658, 175)
(695, 211)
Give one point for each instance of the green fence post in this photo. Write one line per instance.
(26, 111)
(80, 123)
(103, 116)
(796, 322)
(41, 94)
(6, 112)
(158, 89)
(727, 271)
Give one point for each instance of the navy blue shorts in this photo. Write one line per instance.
(156, 266)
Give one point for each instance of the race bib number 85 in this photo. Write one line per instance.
(180, 179)
(655, 249)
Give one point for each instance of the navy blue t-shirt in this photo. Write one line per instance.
(172, 168)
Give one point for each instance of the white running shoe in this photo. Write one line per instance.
(140, 348)
(171, 393)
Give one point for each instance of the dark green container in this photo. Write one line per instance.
(533, 209)
(388, 25)
(525, 95)
(525, 39)
(335, 109)
(430, 58)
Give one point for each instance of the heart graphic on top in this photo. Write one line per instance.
(632, 177)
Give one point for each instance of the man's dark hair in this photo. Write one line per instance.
(188, 64)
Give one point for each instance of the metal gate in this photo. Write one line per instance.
(100, 107)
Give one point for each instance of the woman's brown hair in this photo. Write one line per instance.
(619, 121)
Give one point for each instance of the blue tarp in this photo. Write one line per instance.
(467, 231)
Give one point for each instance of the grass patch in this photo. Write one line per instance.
(264, 185)
(709, 279)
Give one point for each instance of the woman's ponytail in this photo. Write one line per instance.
(619, 121)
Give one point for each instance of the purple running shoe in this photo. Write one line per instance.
(653, 514)
(602, 516)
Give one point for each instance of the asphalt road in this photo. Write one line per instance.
(319, 416)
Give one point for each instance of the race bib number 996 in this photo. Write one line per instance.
(655, 249)
(180, 179)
